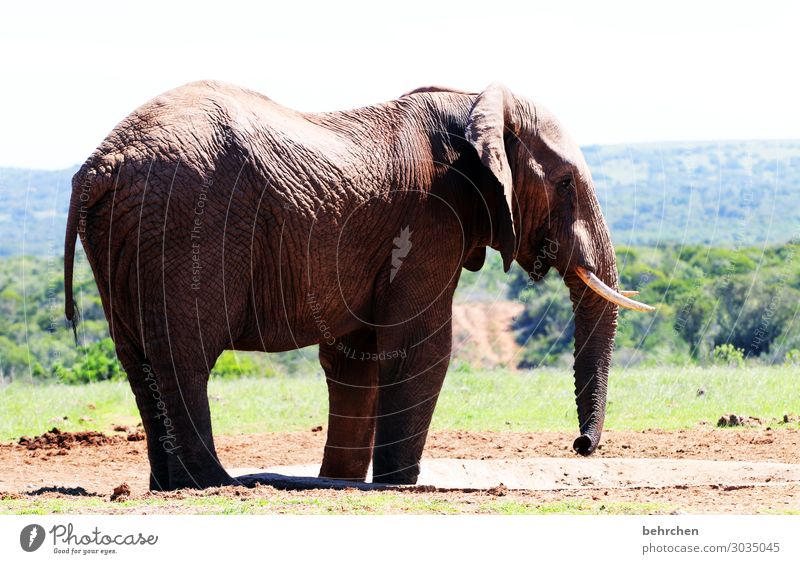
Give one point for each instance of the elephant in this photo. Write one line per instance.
(214, 218)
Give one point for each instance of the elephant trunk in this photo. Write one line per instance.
(595, 326)
(590, 250)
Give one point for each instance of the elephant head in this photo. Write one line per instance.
(546, 214)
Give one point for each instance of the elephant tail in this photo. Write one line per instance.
(73, 217)
(93, 179)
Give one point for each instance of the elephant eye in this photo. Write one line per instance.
(564, 183)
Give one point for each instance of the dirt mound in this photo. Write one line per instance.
(121, 492)
(733, 420)
(64, 440)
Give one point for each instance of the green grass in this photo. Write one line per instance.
(641, 398)
(364, 503)
(247, 405)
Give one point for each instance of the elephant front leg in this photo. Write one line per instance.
(351, 372)
(410, 380)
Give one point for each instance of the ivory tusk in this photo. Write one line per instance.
(597, 285)
(629, 293)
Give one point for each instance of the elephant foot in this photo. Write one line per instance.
(202, 484)
(159, 483)
(351, 466)
(393, 473)
(185, 478)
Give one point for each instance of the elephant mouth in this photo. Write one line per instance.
(622, 298)
(537, 274)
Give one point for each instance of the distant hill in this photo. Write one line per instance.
(33, 210)
(732, 193)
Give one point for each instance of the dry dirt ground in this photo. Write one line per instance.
(482, 332)
(99, 463)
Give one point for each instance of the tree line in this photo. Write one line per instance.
(713, 305)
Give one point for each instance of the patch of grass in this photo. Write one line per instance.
(364, 503)
(779, 512)
(29, 409)
(249, 405)
(640, 398)
(674, 397)
(572, 507)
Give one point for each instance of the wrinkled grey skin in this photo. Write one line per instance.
(214, 218)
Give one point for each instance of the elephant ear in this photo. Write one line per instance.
(475, 259)
(490, 117)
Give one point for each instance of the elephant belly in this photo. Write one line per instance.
(287, 315)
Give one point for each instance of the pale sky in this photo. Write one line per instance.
(613, 72)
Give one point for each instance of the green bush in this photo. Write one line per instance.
(234, 365)
(792, 357)
(545, 328)
(97, 362)
(728, 355)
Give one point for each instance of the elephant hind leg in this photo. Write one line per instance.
(145, 390)
(351, 372)
(179, 380)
